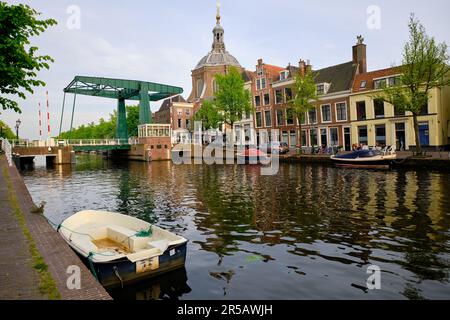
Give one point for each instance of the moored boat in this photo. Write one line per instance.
(365, 159)
(121, 249)
(252, 156)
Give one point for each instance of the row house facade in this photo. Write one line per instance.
(179, 114)
(326, 125)
(263, 101)
(378, 123)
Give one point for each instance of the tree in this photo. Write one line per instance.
(19, 62)
(105, 129)
(132, 120)
(208, 115)
(304, 96)
(425, 66)
(6, 132)
(232, 100)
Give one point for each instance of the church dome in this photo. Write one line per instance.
(218, 59)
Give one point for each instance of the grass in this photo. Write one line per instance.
(47, 285)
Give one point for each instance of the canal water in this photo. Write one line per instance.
(309, 232)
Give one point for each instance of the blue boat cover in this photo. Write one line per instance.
(359, 154)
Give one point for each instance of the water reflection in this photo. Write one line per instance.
(169, 286)
(308, 232)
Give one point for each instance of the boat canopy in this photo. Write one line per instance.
(360, 154)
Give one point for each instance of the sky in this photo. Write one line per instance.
(162, 41)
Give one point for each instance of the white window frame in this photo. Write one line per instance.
(282, 97)
(293, 117)
(264, 99)
(284, 117)
(284, 94)
(271, 120)
(346, 111)
(309, 122)
(337, 132)
(321, 113)
(265, 83)
(256, 119)
(260, 104)
(283, 75)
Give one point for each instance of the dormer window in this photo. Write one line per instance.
(380, 83)
(322, 88)
(283, 75)
(363, 84)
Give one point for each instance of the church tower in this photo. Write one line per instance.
(215, 62)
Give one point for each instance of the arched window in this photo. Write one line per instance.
(199, 87)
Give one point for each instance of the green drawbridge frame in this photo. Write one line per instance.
(121, 90)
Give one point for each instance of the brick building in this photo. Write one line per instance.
(179, 114)
(328, 124)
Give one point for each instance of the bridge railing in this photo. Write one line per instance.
(6, 147)
(73, 142)
(93, 142)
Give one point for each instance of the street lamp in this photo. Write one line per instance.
(18, 122)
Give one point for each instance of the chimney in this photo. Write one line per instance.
(360, 55)
(302, 67)
(308, 66)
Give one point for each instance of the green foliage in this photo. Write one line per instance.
(6, 132)
(19, 62)
(105, 129)
(132, 120)
(425, 66)
(208, 115)
(304, 95)
(231, 99)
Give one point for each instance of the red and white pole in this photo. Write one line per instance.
(48, 117)
(40, 123)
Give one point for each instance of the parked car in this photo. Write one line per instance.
(281, 147)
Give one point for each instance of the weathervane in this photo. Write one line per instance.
(218, 12)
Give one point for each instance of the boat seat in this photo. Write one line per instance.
(84, 242)
(119, 234)
(162, 245)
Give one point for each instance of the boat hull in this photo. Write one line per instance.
(364, 159)
(364, 164)
(360, 163)
(123, 272)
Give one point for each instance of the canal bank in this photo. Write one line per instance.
(34, 258)
(435, 161)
